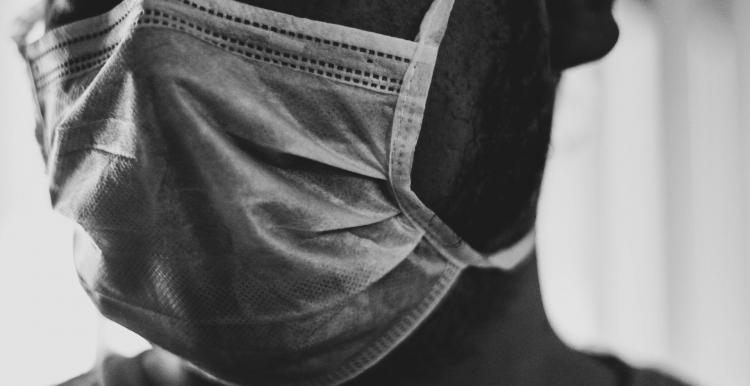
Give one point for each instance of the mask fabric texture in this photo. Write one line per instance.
(241, 179)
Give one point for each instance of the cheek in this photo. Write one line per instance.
(484, 142)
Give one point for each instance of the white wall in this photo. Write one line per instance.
(47, 325)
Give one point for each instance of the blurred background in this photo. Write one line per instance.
(645, 217)
(644, 230)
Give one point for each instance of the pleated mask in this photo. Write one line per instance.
(242, 182)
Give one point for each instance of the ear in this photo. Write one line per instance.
(581, 31)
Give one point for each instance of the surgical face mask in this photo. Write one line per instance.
(242, 178)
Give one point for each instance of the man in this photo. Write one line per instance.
(478, 165)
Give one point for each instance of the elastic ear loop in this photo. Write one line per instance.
(435, 22)
(407, 127)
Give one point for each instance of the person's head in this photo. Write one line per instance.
(478, 163)
(483, 146)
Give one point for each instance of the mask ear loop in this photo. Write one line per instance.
(435, 22)
(412, 99)
(407, 126)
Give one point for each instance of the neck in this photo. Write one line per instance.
(492, 327)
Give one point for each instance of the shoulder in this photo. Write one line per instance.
(631, 376)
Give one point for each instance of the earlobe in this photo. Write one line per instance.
(581, 31)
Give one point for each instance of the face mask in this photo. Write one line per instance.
(242, 182)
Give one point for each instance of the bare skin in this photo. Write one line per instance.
(479, 165)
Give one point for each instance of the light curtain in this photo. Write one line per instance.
(645, 218)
